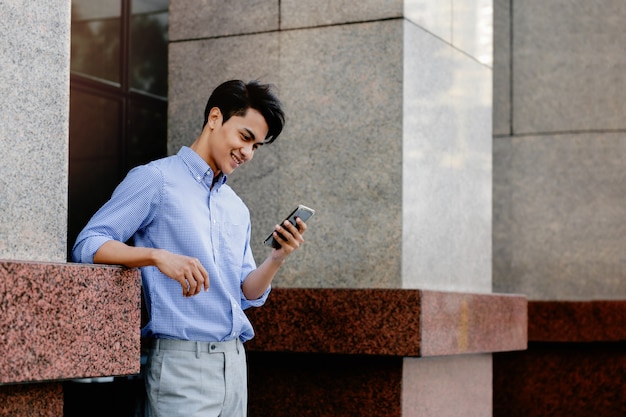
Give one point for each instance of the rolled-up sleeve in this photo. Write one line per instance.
(248, 266)
(245, 303)
(132, 206)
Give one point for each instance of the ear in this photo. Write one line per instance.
(215, 118)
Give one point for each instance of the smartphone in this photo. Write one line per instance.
(303, 212)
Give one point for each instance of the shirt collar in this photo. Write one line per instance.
(199, 169)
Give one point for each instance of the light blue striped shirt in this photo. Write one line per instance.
(168, 204)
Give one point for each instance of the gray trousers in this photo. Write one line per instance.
(185, 378)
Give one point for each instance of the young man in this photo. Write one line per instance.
(191, 236)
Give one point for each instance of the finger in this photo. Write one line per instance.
(296, 234)
(199, 277)
(193, 285)
(290, 226)
(288, 231)
(279, 235)
(199, 282)
(205, 277)
(301, 225)
(287, 243)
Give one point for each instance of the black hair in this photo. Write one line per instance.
(235, 97)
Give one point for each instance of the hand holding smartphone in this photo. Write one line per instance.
(303, 212)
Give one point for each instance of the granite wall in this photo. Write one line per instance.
(59, 321)
(559, 203)
(388, 132)
(34, 128)
(559, 147)
(388, 137)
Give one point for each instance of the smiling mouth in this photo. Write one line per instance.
(237, 160)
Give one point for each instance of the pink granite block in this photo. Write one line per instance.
(32, 400)
(68, 321)
(575, 364)
(561, 379)
(459, 323)
(316, 385)
(365, 321)
(577, 321)
(388, 322)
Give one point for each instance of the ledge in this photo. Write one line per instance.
(577, 321)
(63, 321)
(574, 366)
(396, 322)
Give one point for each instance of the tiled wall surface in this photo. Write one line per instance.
(559, 149)
(340, 152)
(388, 135)
(558, 203)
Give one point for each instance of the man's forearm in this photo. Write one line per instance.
(186, 270)
(119, 253)
(258, 281)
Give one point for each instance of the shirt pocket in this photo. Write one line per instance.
(236, 236)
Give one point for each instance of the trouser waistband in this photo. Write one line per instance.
(198, 347)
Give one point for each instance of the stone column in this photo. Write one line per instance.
(59, 321)
(560, 203)
(388, 137)
(559, 151)
(34, 126)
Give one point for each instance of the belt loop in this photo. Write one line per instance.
(157, 346)
(198, 350)
(237, 344)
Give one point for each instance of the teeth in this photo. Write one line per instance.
(237, 160)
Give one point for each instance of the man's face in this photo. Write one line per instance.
(233, 143)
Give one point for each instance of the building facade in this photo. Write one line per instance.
(461, 151)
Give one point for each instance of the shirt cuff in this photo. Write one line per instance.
(85, 252)
(245, 303)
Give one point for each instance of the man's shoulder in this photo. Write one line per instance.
(233, 198)
(161, 167)
(164, 162)
(153, 174)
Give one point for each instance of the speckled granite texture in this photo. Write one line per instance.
(40, 400)
(344, 352)
(34, 129)
(388, 322)
(359, 352)
(316, 385)
(67, 321)
(575, 365)
(561, 380)
(577, 321)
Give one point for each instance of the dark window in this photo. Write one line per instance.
(118, 98)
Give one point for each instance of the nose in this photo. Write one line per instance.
(247, 151)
